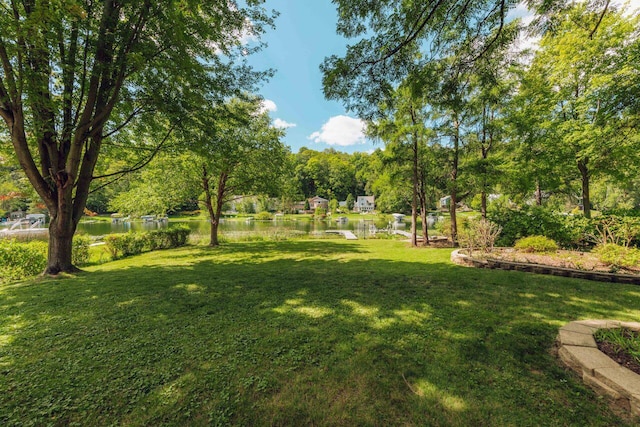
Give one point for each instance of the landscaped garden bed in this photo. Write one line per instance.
(579, 265)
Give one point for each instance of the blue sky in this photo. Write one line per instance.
(305, 34)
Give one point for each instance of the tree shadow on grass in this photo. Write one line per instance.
(311, 337)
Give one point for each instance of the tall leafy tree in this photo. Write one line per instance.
(490, 83)
(393, 36)
(77, 73)
(580, 70)
(405, 135)
(162, 187)
(239, 152)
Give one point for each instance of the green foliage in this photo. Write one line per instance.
(567, 231)
(320, 213)
(247, 206)
(444, 227)
(350, 202)
(618, 256)
(619, 230)
(623, 340)
(80, 250)
(77, 72)
(263, 216)
(126, 244)
(21, 260)
(333, 205)
(167, 238)
(163, 186)
(536, 244)
(577, 73)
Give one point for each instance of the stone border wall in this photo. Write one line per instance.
(578, 350)
(457, 257)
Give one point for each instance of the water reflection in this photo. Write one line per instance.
(359, 227)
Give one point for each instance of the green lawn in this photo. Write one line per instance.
(326, 332)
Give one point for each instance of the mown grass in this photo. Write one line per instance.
(327, 332)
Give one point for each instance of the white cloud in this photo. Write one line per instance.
(521, 11)
(340, 130)
(632, 6)
(281, 124)
(269, 105)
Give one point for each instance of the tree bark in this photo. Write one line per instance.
(215, 211)
(454, 183)
(483, 204)
(423, 216)
(585, 175)
(61, 231)
(414, 198)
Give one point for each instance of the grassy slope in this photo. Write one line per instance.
(301, 332)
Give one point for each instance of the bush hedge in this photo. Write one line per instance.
(19, 260)
(618, 256)
(127, 244)
(568, 231)
(536, 244)
(263, 216)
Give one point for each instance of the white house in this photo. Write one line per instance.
(445, 202)
(365, 204)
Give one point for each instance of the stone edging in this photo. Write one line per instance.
(457, 257)
(578, 350)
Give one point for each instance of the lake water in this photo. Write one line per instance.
(359, 227)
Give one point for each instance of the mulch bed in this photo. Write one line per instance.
(622, 357)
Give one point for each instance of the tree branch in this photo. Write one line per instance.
(498, 33)
(126, 121)
(604, 11)
(137, 166)
(416, 29)
(8, 72)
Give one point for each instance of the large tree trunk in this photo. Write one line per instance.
(214, 210)
(61, 231)
(585, 175)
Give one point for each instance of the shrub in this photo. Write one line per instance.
(21, 260)
(536, 244)
(444, 227)
(568, 231)
(80, 249)
(127, 244)
(263, 216)
(479, 234)
(168, 238)
(619, 230)
(618, 256)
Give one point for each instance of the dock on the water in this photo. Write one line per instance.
(346, 233)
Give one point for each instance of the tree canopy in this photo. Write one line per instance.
(78, 74)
